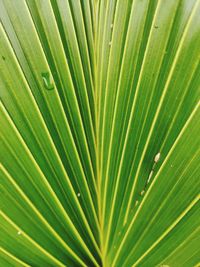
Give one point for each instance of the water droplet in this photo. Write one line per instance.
(156, 27)
(78, 194)
(47, 80)
(110, 43)
(142, 192)
(19, 232)
(157, 157)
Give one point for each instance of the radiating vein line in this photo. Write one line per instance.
(68, 221)
(132, 111)
(184, 170)
(67, 178)
(178, 107)
(68, 130)
(153, 182)
(139, 139)
(194, 233)
(62, 109)
(64, 94)
(98, 178)
(109, 72)
(100, 49)
(109, 153)
(14, 258)
(50, 138)
(80, 60)
(87, 47)
(45, 252)
(98, 91)
(104, 45)
(48, 186)
(169, 229)
(75, 196)
(150, 222)
(39, 215)
(160, 104)
(104, 115)
(86, 12)
(192, 256)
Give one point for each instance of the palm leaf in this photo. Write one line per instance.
(100, 133)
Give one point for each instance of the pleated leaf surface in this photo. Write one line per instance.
(99, 128)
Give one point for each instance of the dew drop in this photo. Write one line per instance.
(19, 232)
(142, 192)
(157, 157)
(47, 80)
(78, 194)
(110, 43)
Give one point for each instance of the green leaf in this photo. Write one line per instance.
(100, 141)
